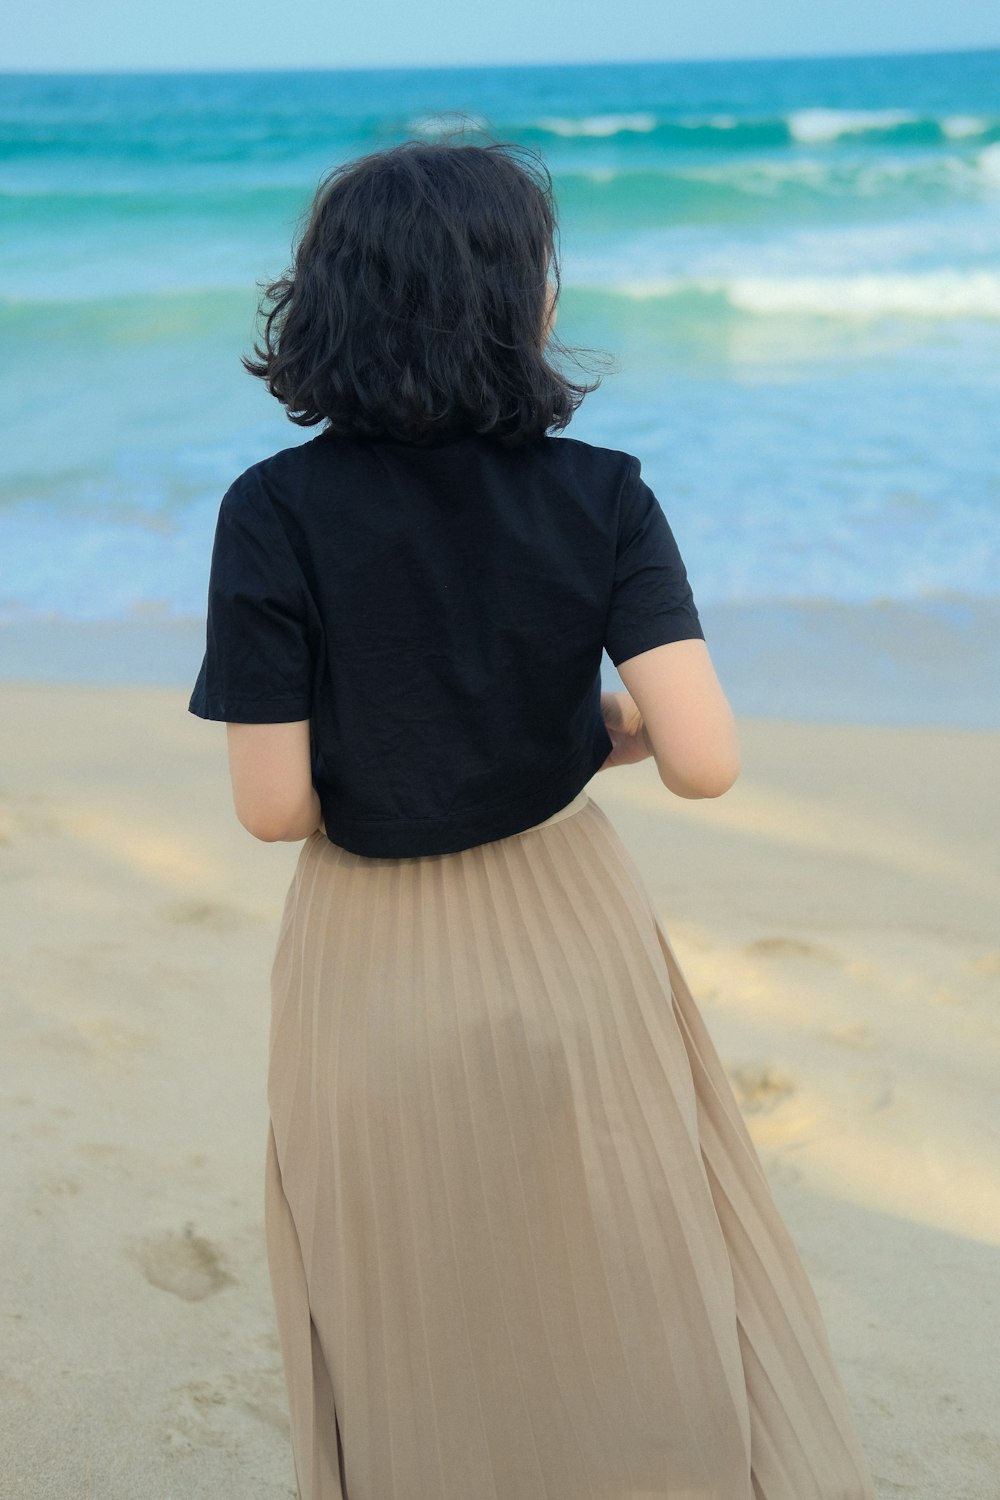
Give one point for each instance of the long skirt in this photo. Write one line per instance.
(521, 1245)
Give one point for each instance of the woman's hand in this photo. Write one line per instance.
(623, 721)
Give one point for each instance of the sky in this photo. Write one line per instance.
(114, 35)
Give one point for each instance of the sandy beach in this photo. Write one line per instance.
(837, 914)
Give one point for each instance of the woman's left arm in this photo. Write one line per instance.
(270, 768)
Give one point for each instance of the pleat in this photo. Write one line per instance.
(804, 1439)
(521, 1245)
(316, 1450)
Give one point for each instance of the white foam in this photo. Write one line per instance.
(859, 179)
(711, 122)
(815, 125)
(651, 289)
(928, 294)
(957, 127)
(988, 162)
(600, 125)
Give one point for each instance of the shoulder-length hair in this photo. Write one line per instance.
(416, 301)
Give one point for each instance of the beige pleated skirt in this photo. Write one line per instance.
(521, 1244)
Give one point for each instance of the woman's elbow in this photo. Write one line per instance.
(707, 778)
(264, 826)
(719, 781)
(267, 818)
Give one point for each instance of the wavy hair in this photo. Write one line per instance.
(415, 302)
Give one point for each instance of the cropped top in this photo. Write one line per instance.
(438, 614)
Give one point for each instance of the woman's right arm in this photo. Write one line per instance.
(686, 717)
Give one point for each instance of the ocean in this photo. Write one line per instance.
(796, 265)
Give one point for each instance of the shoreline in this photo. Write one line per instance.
(935, 663)
(834, 914)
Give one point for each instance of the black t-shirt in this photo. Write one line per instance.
(438, 614)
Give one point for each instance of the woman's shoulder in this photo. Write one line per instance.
(297, 458)
(573, 453)
(275, 478)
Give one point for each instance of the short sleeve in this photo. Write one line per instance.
(651, 601)
(257, 667)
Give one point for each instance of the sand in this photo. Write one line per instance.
(838, 915)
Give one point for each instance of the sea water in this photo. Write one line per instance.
(796, 265)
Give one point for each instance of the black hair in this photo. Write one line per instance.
(415, 302)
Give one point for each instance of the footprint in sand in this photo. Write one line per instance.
(100, 1038)
(214, 916)
(185, 1264)
(759, 1087)
(61, 1187)
(214, 1410)
(781, 1171)
(106, 1034)
(857, 1035)
(877, 1087)
(787, 947)
(100, 1151)
(24, 817)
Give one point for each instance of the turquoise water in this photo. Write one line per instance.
(796, 264)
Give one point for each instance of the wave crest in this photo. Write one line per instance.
(960, 127)
(802, 127)
(928, 294)
(812, 126)
(600, 125)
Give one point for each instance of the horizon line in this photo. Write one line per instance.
(491, 66)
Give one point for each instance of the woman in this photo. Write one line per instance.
(520, 1243)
